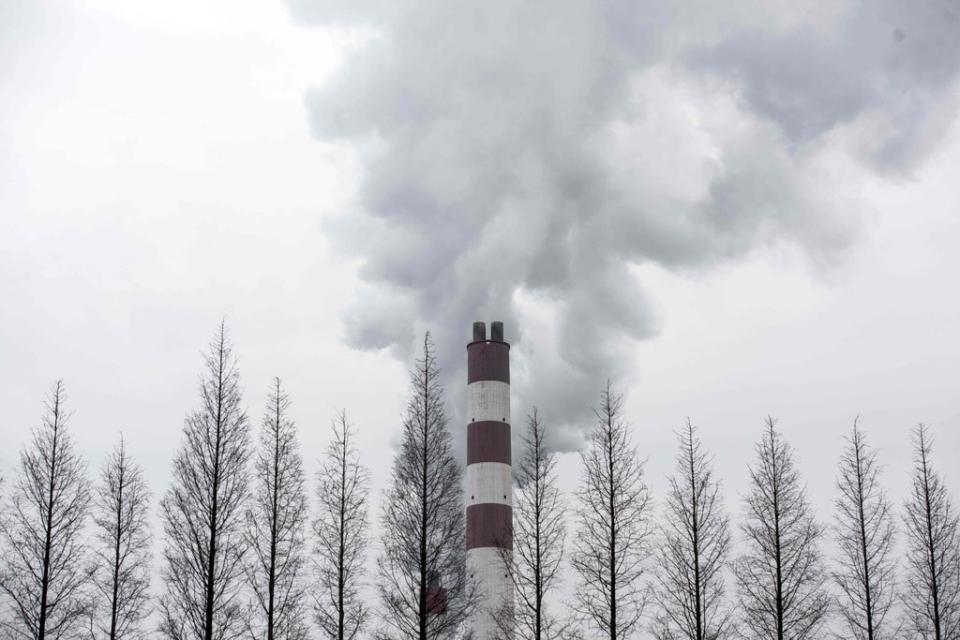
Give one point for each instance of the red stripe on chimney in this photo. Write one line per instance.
(488, 441)
(488, 361)
(489, 525)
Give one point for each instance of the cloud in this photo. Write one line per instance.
(540, 151)
(895, 62)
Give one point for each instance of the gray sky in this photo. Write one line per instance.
(731, 212)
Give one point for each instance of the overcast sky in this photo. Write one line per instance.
(732, 210)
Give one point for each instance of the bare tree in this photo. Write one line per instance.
(340, 532)
(276, 518)
(611, 545)
(45, 571)
(866, 569)
(693, 550)
(424, 524)
(121, 578)
(539, 534)
(780, 575)
(932, 594)
(203, 512)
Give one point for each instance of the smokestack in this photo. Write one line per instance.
(489, 486)
(479, 331)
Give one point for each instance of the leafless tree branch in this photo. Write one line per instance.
(692, 554)
(121, 578)
(866, 570)
(424, 522)
(611, 546)
(780, 574)
(203, 512)
(275, 522)
(932, 591)
(340, 536)
(539, 534)
(45, 570)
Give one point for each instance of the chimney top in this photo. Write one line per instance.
(496, 331)
(480, 331)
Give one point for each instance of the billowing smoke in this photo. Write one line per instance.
(520, 159)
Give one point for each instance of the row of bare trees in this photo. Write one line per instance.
(236, 558)
(241, 557)
(783, 585)
(56, 584)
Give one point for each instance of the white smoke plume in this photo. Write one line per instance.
(538, 151)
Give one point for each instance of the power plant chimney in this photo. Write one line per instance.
(489, 486)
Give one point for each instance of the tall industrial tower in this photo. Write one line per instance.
(489, 479)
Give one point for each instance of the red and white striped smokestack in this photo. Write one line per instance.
(489, 477)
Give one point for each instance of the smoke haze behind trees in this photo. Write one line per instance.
(526, 160)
